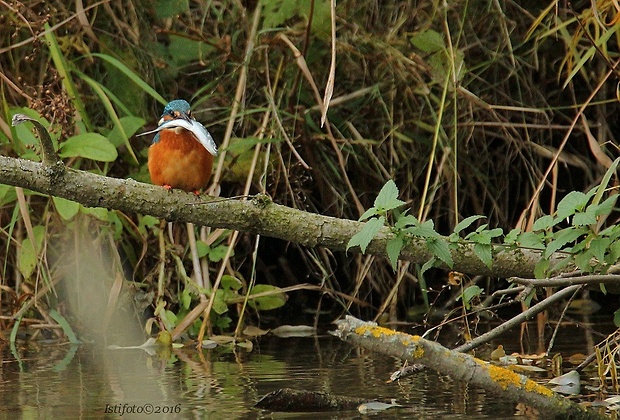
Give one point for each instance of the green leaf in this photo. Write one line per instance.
(97, 212)
(429, 41)
(27, 254)
(130, 126)
(541, 268)
(599, 246)
(393, 248)
(469, 294)
(217, 253)
(368, 232)
(425, 230)
(573, 201)
(145, 222)
(231, 283)
(90, 146)
(428, 264)
(440, 249)
(388, 197)
(131, 75)
(406, 221)
(170, 8)
(484, 252)
(465, 223)
(368, 214)
(605, 181)
(617, 318)
(561, 238)
(512, 236)
(219, 303)
(67, 209)
(66, 328)
(606, 206)
(531, 240)
(184, 50)
(186, 298)
(265, 303)
(543, 223)
(586, 218)
(278, 12)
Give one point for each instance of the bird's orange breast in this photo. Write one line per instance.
(178, 160)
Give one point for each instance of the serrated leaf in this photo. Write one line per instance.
(393, 248)
(406, 221)
(561, 238)
(67, 209)
(586, 218)
(425, 230)
(543, 223)
(440, 249)
(531, 240)
(599, 246)
(484, 252)
(90, 146)
(368, 232)
(465, 223)
(387, 199)
(494, 233)
(512, 236)
(274, 300)
(606, 206)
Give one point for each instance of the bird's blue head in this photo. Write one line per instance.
(176, 109)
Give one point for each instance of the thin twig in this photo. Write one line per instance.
(518, 320)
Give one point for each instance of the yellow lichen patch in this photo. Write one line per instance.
(504, 377)
(377, 332)
(418, 353)
(531, 386)
(374, 331)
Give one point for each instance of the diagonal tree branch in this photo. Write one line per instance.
(259, 215)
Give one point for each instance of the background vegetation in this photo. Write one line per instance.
(471, 107)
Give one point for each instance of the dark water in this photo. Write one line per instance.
(52, 381)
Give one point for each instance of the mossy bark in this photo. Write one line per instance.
(257, 215)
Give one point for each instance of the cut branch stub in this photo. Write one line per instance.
(50, 158)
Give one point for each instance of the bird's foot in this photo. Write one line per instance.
(167, 187)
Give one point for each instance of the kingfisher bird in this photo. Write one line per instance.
(181, 155)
